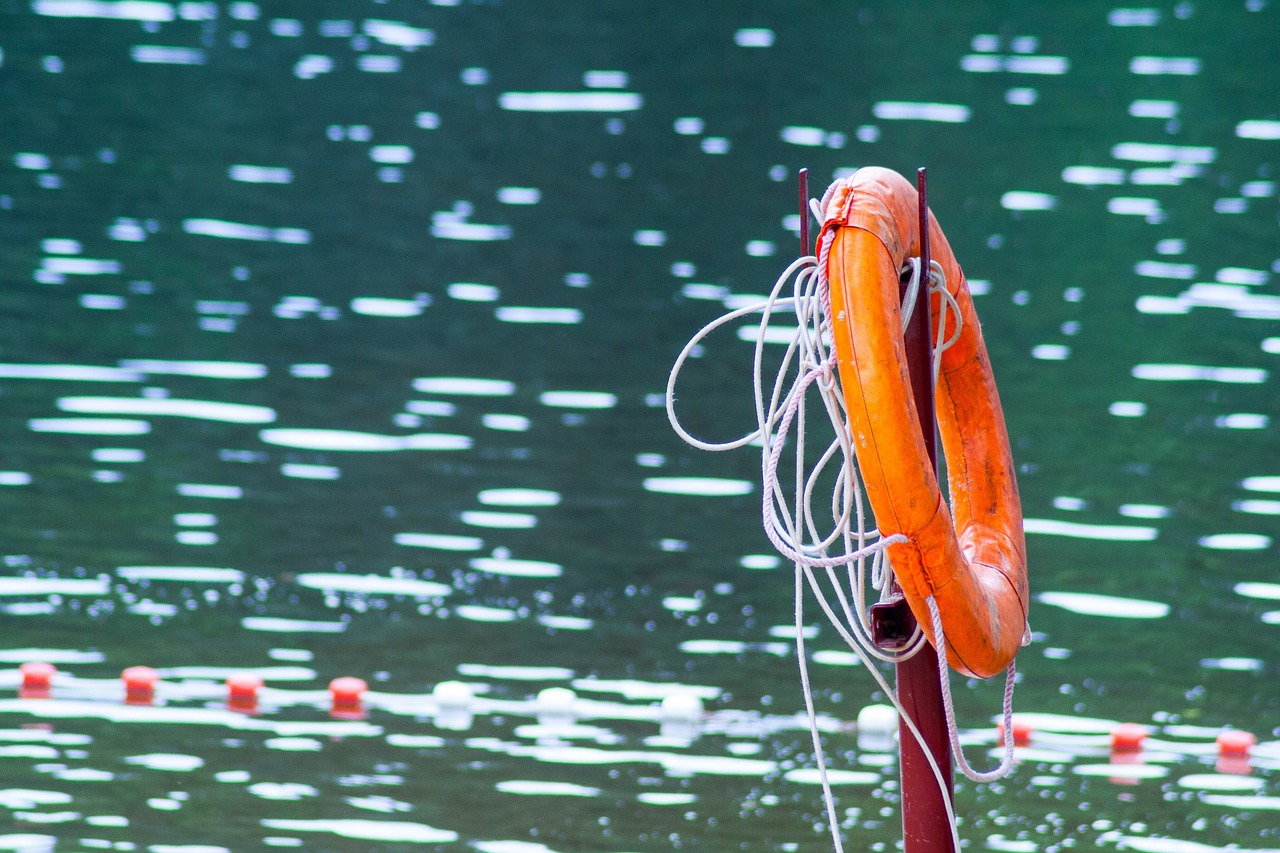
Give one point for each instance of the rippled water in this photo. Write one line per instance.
(334, 343)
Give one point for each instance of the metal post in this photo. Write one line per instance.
(805, 248)
(925, 825)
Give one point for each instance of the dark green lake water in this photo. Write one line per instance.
(334, 341)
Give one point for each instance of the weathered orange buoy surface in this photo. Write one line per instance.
(970, 557)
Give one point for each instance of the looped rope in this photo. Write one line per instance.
(944, 677)
(792, 526)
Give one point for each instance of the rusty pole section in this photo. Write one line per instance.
(925, 826)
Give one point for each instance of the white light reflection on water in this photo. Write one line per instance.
(499, 520)
(440, 541)
(208, 410)
(1257, 507)
(1122, 771)
(506, 423)
(565, 623)
(541, 788)
(518, 497)
(917, 111)
(132, 10)
(1092, 604)
(204, 369)
(159, 54)
(260, 174)
(185, 574)
(1243, 803)
(361, 442)
(282, 625)
(1266, 591)
(515, 673)
(1267, 129)
(835, 776)
(578, 399)
(1236, 542)
(71, 372)
(472, 292)
(378, 306)
(367, 830)
(466, 386)
(53, 586)
(1195, 372)
(241, 231)
(453, 225)
(1185, 66)
(1104, 532)
(1093, 176)
(302, 471)
(1027, 200)
(698, 486)
(373, 585)
(513, 567)
(556, 102)
(532, 314)
(210, 490)
(986, 63)
(480, 613)
(1261, 484)
(1236, 298)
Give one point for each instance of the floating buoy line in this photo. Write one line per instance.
(452, 705)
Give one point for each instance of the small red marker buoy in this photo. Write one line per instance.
(348, 694)
(1234, 743)
(1022, 731)
(1128, 737)
(37, 680)
(1234, 747)
(139, 685)
(242, 692)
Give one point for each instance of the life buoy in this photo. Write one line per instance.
(970, 557)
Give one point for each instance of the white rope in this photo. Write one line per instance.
(1005, 767)
(792, 524)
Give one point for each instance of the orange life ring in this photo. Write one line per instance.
(975, 567)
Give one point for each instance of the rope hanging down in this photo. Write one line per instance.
(792, 524)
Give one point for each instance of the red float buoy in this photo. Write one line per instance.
(1234, 743)
(347, 693)
(139, 685)
(37, 680)
(242, 692)
(1234, 747)
(1021, 733)
(1128, 737)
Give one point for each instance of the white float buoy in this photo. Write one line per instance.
(877, 728)
(556, 706)
(680, 715)
(453, 705)
(452, 695)
(681, 707)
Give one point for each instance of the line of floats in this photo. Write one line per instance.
(1134, 751)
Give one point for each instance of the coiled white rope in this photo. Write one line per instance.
(793, 527)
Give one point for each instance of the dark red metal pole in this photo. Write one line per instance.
(805, 248)
(926, 827)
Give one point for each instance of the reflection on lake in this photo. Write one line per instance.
(335, 342)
